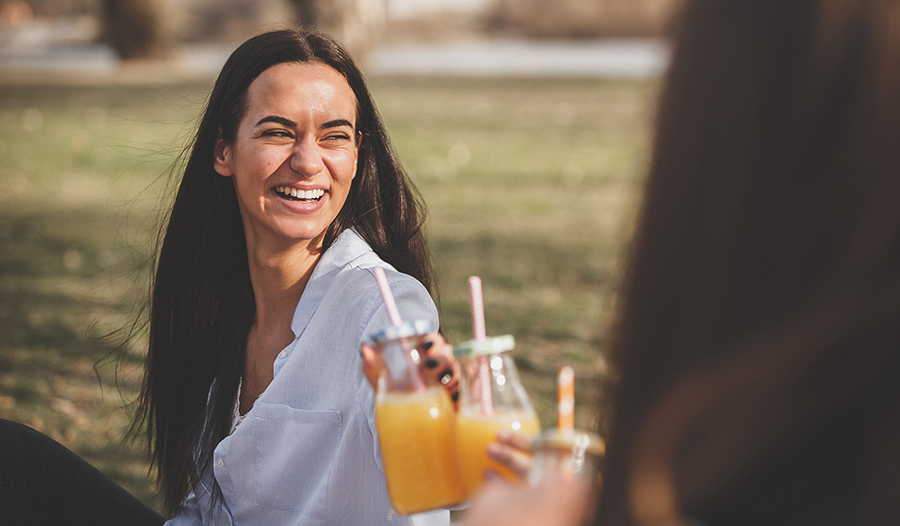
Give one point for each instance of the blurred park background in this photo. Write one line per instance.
(532, 177)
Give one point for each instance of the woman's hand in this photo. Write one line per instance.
(373, 363)
(513, 450)
(437, 363)
(557, 503)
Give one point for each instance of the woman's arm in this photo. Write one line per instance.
(561, 503)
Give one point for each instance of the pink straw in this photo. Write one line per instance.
(387, 296)
(484, 378)
(391, 306)
(477, 308)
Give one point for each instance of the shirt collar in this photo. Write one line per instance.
(348, 248)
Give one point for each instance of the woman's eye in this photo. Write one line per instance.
(338, 137)
(277, 133)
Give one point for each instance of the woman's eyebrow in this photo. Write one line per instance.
(337, 123)
(279, 120)
(291, 124)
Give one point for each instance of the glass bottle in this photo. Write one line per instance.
(568, 454)
(416, 425)
(491, 399)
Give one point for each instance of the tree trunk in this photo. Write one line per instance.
(356, 24)
(137, 28)
(588, 19)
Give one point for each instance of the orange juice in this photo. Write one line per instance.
(418, 446)
(474, 431)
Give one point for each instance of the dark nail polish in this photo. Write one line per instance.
(448, 373)
(427, 345)
(431, 363)
(455, 396)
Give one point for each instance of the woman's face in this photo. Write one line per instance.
(294, 155)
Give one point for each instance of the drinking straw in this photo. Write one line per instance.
(387, 296)
(391, 306)
(478, 330)
(565, 400)
(477, 308)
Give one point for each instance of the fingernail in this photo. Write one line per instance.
(455, 396)
(431, 363)
(448, 373)
(427, 345)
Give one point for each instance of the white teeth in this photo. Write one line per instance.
(300, 194)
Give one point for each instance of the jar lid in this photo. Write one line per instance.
(576, 440)
(406, 329)
(493, 345)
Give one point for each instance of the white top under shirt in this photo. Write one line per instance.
(307, 452)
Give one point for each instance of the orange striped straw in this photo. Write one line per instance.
(565, 400)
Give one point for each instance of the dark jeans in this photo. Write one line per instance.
(42, 482)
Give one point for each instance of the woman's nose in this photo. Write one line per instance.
(306, 158)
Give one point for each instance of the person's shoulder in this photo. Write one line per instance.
(361, 277)
(359, 297)
(356, 278)
(364, 260)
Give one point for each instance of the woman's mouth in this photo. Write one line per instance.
(299, 195)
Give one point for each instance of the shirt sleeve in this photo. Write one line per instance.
(187, 513)
(412, 299)
(431, 518)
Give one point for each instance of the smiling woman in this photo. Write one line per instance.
(254, 401)
(294, 156)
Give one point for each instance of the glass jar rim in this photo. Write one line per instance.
(491, 345)
(573, 439)
(407, 329)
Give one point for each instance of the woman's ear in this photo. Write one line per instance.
(359, 138)
(222, 156)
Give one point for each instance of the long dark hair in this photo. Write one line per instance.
(202, 305)
(757, 342)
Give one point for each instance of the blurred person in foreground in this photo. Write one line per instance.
(758, 342)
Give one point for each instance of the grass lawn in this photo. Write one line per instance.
(531, 185)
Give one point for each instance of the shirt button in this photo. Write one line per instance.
(282, 355)
(220, 462)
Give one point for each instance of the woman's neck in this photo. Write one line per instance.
(279, 277)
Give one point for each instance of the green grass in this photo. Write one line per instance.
(531, 185)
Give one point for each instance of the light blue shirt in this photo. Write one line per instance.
(307, 452)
